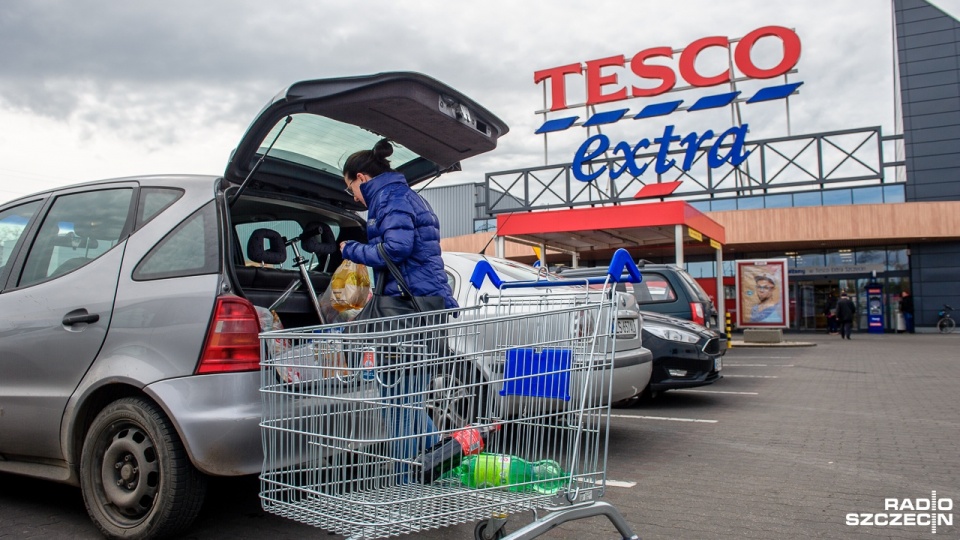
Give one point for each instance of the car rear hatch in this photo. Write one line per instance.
(309, 129)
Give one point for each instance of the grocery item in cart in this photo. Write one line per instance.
(494, 470)
(309, 362)
(448, 453)
(270, 321)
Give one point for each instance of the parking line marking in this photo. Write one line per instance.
(751, 376)
(757, 365)
(616, 483)
(696, 420)
(716, 392)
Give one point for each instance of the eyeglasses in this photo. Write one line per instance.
(764, 287)
(349, 188)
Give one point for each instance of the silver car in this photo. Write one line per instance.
(631, 364)
(130, 308)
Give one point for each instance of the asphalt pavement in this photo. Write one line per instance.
(801, 442)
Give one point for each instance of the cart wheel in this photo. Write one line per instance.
(481, 527)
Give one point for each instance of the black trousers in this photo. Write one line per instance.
(846, 327)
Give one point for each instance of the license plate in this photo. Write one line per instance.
(718, 363)
(626, 327)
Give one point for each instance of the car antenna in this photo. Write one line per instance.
(259, 162)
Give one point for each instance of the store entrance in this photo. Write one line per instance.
(808, 301)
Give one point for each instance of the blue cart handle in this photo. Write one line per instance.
(620, 264)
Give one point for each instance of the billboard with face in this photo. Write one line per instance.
(762, 298)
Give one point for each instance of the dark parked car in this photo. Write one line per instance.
(665, 289)
(685, 354)
(130, 308)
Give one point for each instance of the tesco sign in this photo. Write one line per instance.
(604, 86)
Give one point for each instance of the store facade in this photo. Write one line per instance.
(846, 209)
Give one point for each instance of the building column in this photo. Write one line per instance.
(721, 299)
(678, 243)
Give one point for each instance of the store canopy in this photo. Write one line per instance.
(584, 230)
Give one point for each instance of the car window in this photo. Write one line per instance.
(321, 143)
(695, 289)
(654, 288)
(13, 223)
(286, 228)
(79, 228)
(191, 249)
(153, 201)
(452, 281)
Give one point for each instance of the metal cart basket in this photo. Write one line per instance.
(378, 428)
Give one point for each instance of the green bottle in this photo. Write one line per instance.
(492, 470)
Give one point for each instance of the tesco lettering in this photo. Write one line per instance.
(603, 86)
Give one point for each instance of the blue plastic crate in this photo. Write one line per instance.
(537, 373)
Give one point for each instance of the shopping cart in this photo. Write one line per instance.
(372, 430)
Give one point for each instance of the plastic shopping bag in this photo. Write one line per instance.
(348, 292)
(269, 322)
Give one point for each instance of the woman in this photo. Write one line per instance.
(401, 220)
(409, 231)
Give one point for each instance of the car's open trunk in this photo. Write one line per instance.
(258, 222)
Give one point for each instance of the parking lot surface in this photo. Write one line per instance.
(791, 443)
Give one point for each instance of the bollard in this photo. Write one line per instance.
(729, 333)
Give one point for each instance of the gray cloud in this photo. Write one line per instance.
(154, 72)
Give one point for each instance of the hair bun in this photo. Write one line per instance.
(383, 149)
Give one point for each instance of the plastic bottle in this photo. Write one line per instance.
(447, 453)
(491, 470)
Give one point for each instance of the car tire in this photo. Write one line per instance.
(647, 396)
(456, 396)
(135, 476)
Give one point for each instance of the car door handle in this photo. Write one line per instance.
(80, 317)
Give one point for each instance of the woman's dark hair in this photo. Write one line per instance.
(372, 162)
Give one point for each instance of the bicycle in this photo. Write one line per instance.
(946, 324)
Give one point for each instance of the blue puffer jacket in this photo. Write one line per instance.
(410, 233)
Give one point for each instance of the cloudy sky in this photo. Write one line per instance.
(94, 89)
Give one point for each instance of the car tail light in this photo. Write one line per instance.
(232, 342)
(696, 312)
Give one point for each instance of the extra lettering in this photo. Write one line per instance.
(586, 169)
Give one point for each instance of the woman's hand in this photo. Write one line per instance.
(342, 244)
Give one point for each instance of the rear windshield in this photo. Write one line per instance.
(654, 288)
(323, 144)
(694, 287)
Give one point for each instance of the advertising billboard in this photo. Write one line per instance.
(762, 294)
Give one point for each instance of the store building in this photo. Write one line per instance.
(845, 208)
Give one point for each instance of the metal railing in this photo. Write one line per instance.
(853, 157)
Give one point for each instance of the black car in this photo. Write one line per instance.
(685, 354)
(665, 289)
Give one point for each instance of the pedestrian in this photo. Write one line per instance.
(906, 308)
(408, 230)
(830, 311)
(846, 311)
